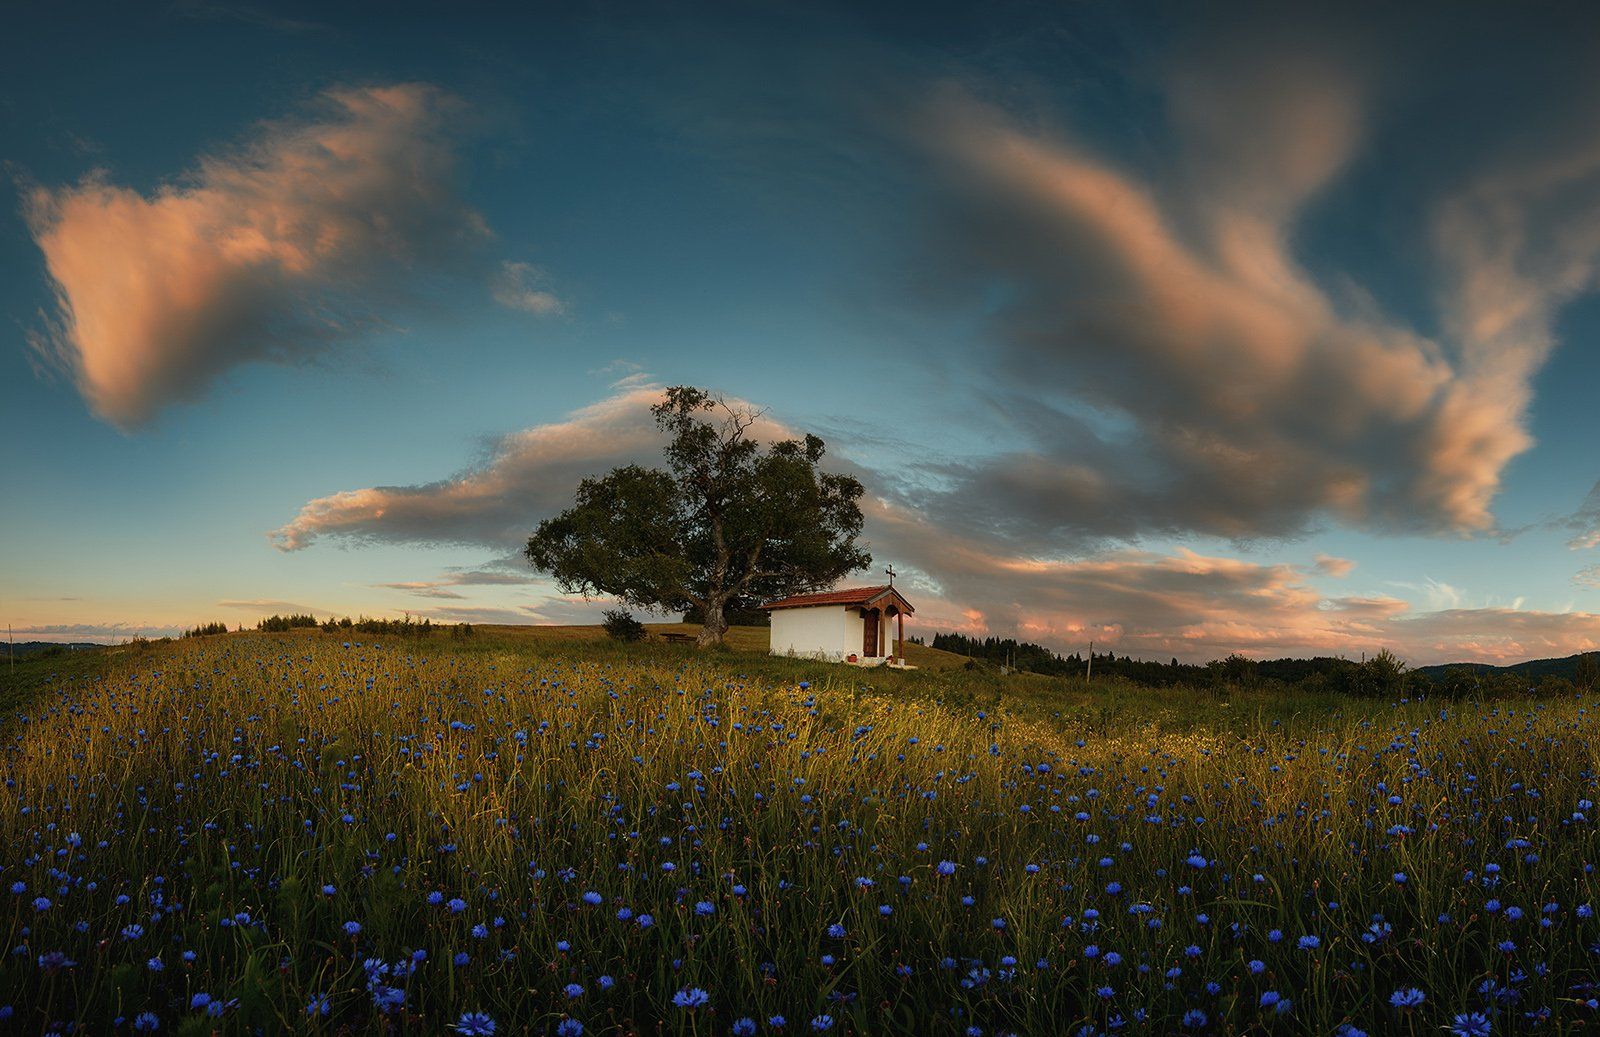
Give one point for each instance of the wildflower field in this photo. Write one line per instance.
(271, 833)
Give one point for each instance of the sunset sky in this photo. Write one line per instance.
(1188, 329)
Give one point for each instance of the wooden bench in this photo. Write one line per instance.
(676, 638)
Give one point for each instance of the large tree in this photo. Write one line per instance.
(727, 519)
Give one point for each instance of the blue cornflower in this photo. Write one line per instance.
(592, 898)
(1309, 943)
(1194, 1018)
(572, 990)
(705, 907)
(146, 1021)
(947, 868)
(388, 999)
(745, 1027)
(352, 928)
(1270, 998)
(318, 1005)
(822, 1023)
(691, 997)
(569, 1028)
(474, 1024)
(1407, 997)
(1470, 1024)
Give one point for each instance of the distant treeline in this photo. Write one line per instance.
(1382, 674)
(406, 627)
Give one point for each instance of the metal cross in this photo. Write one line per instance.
(890, 571)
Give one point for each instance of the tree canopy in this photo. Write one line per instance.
(727, 519)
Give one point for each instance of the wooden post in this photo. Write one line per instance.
(900, 637)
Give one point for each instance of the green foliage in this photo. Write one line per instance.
(276, 624)
(207, 629)
(1586, 675)
(727, 520)
(620, 625)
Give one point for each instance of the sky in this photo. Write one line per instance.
(1183, 329)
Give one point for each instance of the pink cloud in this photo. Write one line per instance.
(531, 475)
(274, 251)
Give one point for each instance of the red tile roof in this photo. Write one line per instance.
(849, 596)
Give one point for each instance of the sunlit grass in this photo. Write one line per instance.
(283, 823)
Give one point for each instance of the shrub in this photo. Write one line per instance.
(621, 626)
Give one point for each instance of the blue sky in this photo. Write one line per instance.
(1126, 318)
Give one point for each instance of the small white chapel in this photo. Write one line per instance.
(865, 626)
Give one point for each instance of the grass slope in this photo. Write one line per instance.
(298, 832)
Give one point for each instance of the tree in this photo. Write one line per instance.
(1586, 674)
(726, 520)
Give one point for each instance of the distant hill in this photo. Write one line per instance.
(23, 648)
(1532, 669)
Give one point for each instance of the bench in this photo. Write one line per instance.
(676, 638)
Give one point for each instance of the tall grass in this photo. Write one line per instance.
(298, 832)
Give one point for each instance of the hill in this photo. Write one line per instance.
(1531, 669)
(22, 648)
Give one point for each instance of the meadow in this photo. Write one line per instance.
(313, 833)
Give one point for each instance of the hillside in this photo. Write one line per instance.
(1532, 669)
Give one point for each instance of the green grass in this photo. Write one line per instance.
(207, 791)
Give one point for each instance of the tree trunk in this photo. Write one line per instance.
(713, 626)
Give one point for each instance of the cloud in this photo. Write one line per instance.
(264, 604)
(523, 286)
(530, 475)
(1585, 522)
(76, 631)
(1170, 361)
(1588, 576)
(1194, 606)
(443, 586)
(277, 251)
(1244, 399)
(211, 10)
(1328, 565)
(422, 589)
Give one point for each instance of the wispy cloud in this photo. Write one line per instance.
(295, 242)
(266, 604)
(1328, 565)
(1196, 606)
(523, 286)
(248, 14)
(530, 476)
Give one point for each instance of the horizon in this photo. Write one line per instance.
(1267, 332)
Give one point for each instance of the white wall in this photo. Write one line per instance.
(827, 632)
(824, 632)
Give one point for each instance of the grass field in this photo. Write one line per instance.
(542, 831)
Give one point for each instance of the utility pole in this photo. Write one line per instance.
(1089, 670)
(11, 646)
